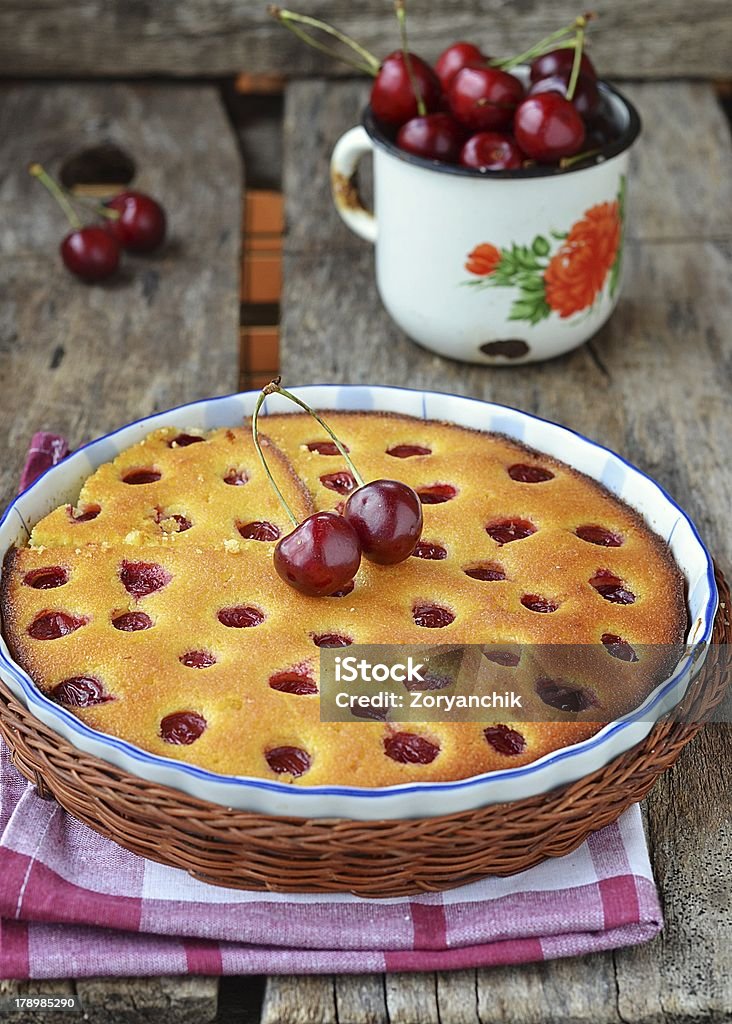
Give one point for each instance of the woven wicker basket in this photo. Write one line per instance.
(369, 858)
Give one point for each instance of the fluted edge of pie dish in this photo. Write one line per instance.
(408, 800)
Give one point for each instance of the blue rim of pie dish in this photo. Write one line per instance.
(36, 698)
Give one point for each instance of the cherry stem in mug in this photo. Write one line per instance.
(578, 47)
(292, 20)
(37, 171)
(550, 42)
(255, 435)
(401, 12)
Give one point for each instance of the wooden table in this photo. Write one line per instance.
(654, 384)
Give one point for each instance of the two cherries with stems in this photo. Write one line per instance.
(382, 520)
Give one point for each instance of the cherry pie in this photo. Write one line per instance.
(152, 610)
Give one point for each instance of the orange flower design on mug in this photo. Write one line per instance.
(565, 281)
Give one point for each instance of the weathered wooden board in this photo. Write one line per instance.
(655, 384)
(82, 360)
(195, 37)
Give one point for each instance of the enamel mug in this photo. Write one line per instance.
(501, 267)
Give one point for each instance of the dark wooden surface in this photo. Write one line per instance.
(82, 360)
(655, 385)
(659, 38)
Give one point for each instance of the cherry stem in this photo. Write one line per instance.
(37, 171)
(401, 12)
(291, 19)
(274, 387)
(255, 435)
(570, 161)
(544, 45)
(578, 47)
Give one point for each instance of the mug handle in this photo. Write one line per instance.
(348, 151)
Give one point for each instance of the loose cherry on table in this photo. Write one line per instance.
(89, 252)
(548, 127)
(140, 226)
(484, 98)
(491, 151)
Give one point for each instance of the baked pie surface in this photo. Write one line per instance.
(172, 617)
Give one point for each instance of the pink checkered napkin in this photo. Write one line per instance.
(71, 901)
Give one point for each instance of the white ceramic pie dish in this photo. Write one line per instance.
(63, 483)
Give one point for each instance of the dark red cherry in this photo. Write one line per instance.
(293, 681)
(456, 57)
(599, 535)
(488, 573)
(332, 639)
(529, 474)
(559, 62)
(46, 579)
(343, 591)
(182, 522)
(132, 622)
(586, 98)
(484, 98)
(618, 648)
(197, 659)
(185, 440)
(341, 482)
(392, 95)
(370, 711)
(491, 151)
(409, 748)
(387, 517)
(433, 552)
(504, 740)
(432, 616)
(326, 447)
(259, 530)
(236, 477)
(52, 625)
(436, 494)
(320, 556)
(80, 692)
(182, 727)
(611, 587)
(434, 137)
(288, 761)
(559, 694)
(507, 659)
(142, 476)
(90, 253)
(242, 616)
(140, 226)
(84, 515)
(142, 578)
(507, 530)
(408, 451)
(537, 603)
(547, 127)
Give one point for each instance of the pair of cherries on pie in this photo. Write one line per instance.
(381, 521)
